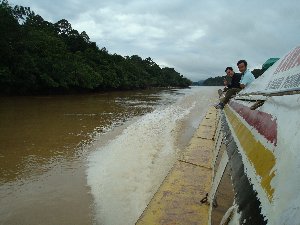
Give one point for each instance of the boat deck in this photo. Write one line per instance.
(178, 200)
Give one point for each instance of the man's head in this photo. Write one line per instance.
(242, 65)
(229, 71)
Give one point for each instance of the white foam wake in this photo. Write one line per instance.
(124, 174)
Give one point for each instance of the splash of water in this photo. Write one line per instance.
(124, 174)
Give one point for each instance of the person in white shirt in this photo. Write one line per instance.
(247, 76)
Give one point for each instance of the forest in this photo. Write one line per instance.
(40, 57)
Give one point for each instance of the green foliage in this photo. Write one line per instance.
(214, 81)
(41, 57)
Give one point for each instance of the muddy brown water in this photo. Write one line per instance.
(45, 141)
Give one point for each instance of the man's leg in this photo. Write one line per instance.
(229, 94)
(220, 92)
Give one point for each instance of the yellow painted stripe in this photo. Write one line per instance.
(261, 157)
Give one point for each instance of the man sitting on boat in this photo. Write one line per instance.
(246, 78)
(232, 80)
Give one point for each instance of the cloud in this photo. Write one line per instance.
(198, 38)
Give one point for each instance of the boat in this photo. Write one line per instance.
(242, 165)
(260, 127)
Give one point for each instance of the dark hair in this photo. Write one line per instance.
(228, 68)
(242, 61)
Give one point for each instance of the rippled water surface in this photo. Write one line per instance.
(59, 155)
(38, 130)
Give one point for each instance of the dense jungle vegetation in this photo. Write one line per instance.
(38, 56)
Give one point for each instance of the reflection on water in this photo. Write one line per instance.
(37, 131)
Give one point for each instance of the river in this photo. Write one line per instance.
(93, 158)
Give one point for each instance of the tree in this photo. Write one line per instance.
(38, 56)
(214, 81)
(63, 27)
(85, 37)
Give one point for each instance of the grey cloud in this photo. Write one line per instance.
(198, 38)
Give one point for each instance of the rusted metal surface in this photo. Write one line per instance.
(177, 201)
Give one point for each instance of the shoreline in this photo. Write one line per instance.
(50, 93)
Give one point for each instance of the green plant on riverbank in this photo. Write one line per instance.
(41, 57)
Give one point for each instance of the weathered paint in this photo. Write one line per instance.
(291, 60)
(263, 145)
(264, 123)
(261, 158)
(177, 201)
(246, 198)
(199, 153)
(284, 75)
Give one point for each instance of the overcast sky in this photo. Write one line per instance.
(199, 38)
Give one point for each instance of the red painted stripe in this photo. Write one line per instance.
(263, 122)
